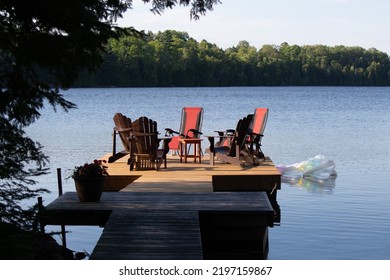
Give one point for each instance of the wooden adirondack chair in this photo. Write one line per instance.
(123, 129)
(237, 152)
(145, 151)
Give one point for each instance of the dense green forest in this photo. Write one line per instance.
(173, 58)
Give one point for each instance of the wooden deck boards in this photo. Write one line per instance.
(184, 177)
(182, 201)
(178, 212)
(150, 234)
(155, 225)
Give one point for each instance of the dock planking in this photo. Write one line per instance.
(162, 225)
(184, 177)
(150, 234)
(187, 211)
(196, 177)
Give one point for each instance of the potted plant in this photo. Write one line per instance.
(89, 179)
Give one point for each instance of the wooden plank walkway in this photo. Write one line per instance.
(150, 234)
(161, 225)
(187, 211)
(202, 177)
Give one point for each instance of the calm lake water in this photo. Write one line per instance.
(345, 219)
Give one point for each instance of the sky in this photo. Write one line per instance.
(363, 23)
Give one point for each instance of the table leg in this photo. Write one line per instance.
(200, 152)
(185, 152)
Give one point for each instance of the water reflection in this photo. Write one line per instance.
(312, 185)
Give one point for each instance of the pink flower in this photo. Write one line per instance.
(94, 169)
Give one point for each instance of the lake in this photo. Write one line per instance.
(348, 218)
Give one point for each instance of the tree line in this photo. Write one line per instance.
(173, 58)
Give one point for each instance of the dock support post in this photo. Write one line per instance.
(40, 207)
(114, 142)
(59, 182)
(114, 156)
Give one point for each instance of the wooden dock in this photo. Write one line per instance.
(190, 177)
(187, 211)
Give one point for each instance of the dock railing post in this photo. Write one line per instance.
(114, 142)
(63, 231)
(40, 207)
(59, 181)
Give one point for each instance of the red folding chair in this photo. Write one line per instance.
(190, 126)
(256, 132)
(251, 145)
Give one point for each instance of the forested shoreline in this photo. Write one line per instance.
(173, 58)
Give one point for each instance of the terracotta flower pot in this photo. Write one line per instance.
(89, 189)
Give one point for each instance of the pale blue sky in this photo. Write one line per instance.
(364, 23)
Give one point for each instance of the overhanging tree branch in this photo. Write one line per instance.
(56, 38)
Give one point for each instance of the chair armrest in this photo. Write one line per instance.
(144, 133)
(230, 131)
(195, 132)
(226, 132)
(123, 129)
(169, 131)
(256, 134)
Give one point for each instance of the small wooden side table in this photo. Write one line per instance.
(183, 149)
